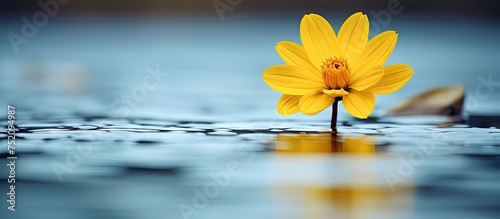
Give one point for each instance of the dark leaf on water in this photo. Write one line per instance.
(444, 101)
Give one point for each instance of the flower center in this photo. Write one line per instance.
(336, 73)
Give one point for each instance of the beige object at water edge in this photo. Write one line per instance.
(444, 101)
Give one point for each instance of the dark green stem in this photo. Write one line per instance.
(335, 107)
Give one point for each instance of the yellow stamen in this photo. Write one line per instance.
(336, 73)
(336, 93)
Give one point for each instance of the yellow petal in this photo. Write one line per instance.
(294, 54)
(366, 78)
(288, 104)
(293, 80)
(315, 102)
(395, 76)
(319, 39)
(353, 35)
(377, 50)
(359, 104)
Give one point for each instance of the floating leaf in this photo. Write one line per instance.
(444, 101)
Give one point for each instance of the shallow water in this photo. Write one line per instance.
(135, 169)
(207, 139)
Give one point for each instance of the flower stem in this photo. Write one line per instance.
(335, 107)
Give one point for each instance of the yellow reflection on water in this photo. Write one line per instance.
(347, 187)
(324, 143)
(352, 202)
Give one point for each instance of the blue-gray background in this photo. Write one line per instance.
(98, 52)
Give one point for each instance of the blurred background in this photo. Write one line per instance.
(165, 93)
(99, 50)
(205, 7)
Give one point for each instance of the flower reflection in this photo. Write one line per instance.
(325, 143)
(349, 186)
(355, 202)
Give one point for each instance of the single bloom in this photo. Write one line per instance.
(329, 67)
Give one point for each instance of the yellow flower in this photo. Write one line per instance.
(328, 68)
